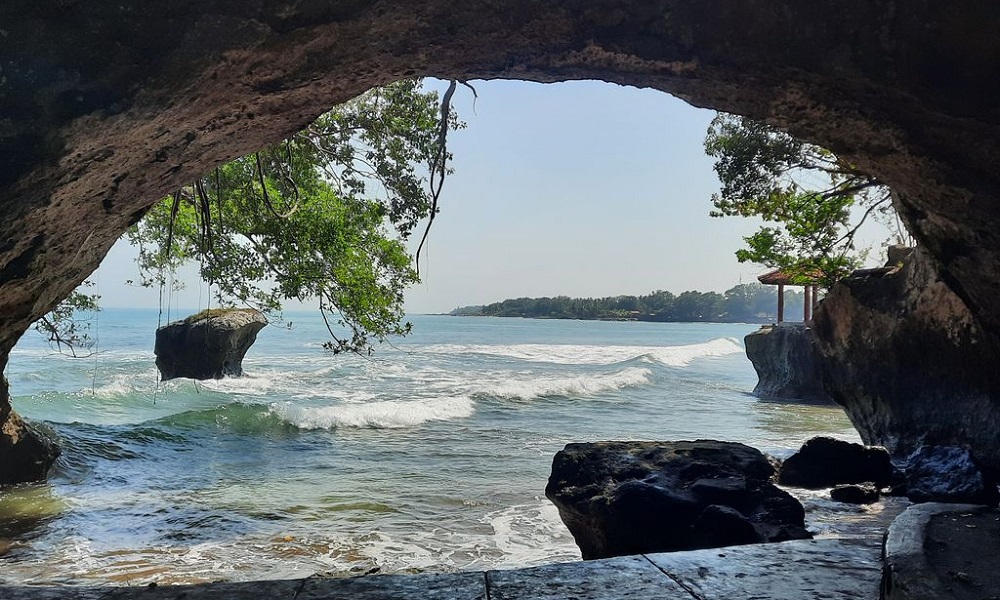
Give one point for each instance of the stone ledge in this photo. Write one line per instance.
(912, 573)
(833, 569)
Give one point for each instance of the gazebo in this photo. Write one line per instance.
(781, 279)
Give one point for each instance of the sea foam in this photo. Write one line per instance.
(585, 385)
(568, 354)
(389, 414)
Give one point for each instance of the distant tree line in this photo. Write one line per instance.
(744, 303)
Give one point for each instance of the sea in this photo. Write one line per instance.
(432, 454)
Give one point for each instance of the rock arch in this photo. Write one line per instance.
(107, 106)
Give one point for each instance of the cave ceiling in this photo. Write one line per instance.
(106, 107)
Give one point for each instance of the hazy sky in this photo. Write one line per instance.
(578, 189)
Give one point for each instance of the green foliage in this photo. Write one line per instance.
(322, 215)
(805, 191)
(209, 313)
(744, 303)
(66, 327)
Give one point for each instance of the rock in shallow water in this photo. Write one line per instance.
(855, 493)
(787, 363)
(621, 498)
(826, 462)
(27, 453)
(208, 345)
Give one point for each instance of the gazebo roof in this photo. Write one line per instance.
(779, 277)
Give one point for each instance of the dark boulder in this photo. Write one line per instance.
(720, 525)
(826, 462)
(855, 493)
(208, 345)
(948, 474)
(787, 363)
(909, 362)
(621, 498)
(27, 452)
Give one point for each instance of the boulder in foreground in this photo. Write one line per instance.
(208, 345)
(826, 462)
(622, 498)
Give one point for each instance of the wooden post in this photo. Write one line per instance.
(815, 300)
(781, 302)
(806, 303)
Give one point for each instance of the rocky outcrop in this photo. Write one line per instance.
(948, 474)
(910, 363)
(105, 109)
(826, 462)
(621, 498)
(855, 493)
(787, 363)
(25, 453)
(208, 345)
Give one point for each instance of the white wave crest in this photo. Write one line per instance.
(681, 356)
(389, 414)
(119, 386)
(531, 534)
(675, 356)
(588, 385)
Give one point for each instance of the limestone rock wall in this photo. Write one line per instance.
(787, 363)
(910, 364)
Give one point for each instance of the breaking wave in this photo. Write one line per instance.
(674, 356)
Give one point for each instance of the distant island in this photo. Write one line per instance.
(744, 303)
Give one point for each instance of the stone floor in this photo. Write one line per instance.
(943, 552)
(830, 569)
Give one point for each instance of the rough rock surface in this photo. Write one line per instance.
(105, 108)
(787, 363)
(942, 552)
(826, 462)
(209, 345)
(25, 453)
(833, 569)
(621, 498)
(909, 362)
(948, 474)
(855, 493)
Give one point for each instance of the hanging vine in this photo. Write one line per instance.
(309, 217)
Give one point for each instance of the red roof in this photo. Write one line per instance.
(779, 277)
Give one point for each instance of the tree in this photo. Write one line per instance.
(740, 300)
(321, 215)
(806, 191)
(67, 331)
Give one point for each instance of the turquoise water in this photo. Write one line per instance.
(433, 454)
